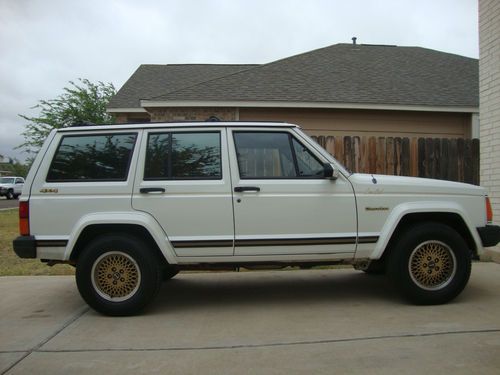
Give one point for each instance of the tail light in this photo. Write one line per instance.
(489, 211)
(24, 218)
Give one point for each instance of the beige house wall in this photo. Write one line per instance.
(489, 101)
(192, 114)
(326, 121)
(367, 122)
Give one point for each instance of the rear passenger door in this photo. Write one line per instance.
(283, 205)
(183, 180)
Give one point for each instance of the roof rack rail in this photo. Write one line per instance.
(82, 123)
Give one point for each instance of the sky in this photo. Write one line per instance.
(44, 44)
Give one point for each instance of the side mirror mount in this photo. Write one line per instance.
(330, 172)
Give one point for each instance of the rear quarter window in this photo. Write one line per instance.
(92, 157)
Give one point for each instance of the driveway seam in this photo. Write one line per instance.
(292, 343)
(36, 348)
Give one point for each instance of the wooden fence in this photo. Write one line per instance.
(441, 158)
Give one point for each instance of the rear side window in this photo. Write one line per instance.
(183, 156)
(102, 157)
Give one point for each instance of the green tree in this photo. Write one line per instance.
(13, 167)
(81, 102)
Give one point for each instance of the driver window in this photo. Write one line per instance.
(266, 155)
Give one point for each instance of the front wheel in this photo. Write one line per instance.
(118, 275)
(430, 264)
(10, 194)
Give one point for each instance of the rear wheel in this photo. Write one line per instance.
(118, 275)
(430, 264)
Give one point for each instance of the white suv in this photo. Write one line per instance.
(11, 186)
(130, 205)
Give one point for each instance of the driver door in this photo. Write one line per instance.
(283, 204)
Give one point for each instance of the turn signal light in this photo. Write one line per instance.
(24, 218)
(489, 211)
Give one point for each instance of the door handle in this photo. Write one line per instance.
(151, 190)
(241, 189)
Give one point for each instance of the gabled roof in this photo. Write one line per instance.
(153, 80)
(341, 73)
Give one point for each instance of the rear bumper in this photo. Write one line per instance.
(490, 235)
(25, 246)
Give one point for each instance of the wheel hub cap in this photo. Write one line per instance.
(115, 276)
(432, 265)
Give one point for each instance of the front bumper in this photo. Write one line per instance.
(25, 246)
(490, 235)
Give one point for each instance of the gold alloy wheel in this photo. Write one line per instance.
(116, 276)
(432, 265)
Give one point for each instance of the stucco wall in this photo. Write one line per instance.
(368, 122)
(191, 114)
(328, 121)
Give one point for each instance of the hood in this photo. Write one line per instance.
(382, 184)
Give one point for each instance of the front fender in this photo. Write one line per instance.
(404, 209)
(132, 218)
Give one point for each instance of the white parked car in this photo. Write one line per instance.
(131, 204)
(11, 187)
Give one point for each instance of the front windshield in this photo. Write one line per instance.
(6, 180)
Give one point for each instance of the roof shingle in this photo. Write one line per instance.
(152, 80)
(341, 73)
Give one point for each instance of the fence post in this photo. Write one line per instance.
(475, 161)
(389, 155)
(453, 165)
(405, 157)
(381, 155)
(444, 158)
(460, 158)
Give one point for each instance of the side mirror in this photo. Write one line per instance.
(330, 172)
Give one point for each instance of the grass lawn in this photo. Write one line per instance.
(10, 263)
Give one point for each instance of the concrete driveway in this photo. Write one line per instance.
(312, 322)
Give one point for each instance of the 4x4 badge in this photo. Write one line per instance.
(49, 190)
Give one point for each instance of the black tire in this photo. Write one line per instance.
(10, 194)
(430, 264)
(169, 273)
(376, 267)
(129, 271)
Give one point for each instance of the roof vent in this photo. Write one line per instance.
(354, 40)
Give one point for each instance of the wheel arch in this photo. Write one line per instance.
(142, 226)
(400, 221)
